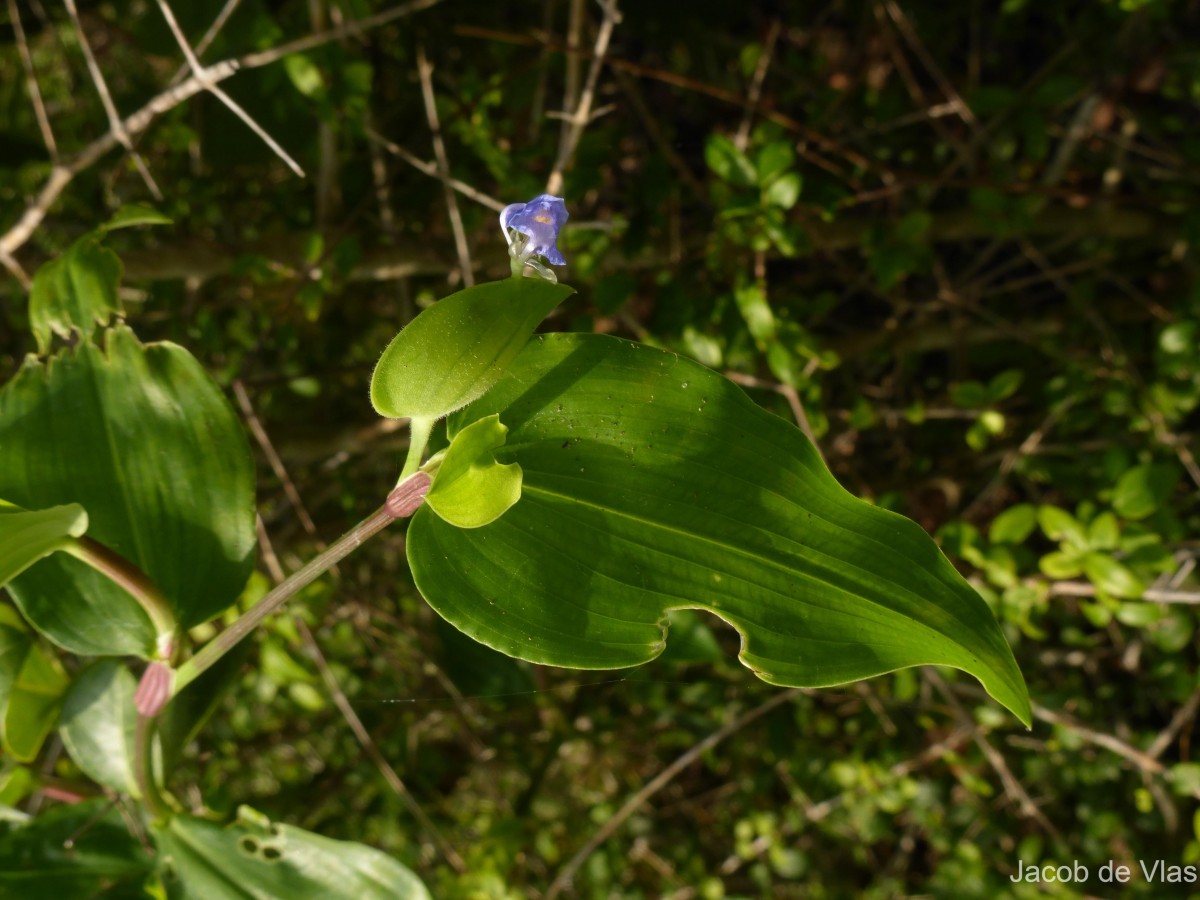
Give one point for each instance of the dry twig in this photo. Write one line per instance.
(1013, 788)
(431, 170)
(581, 117)
(425, 71)
(742, 138)
(201, 73)
(347, 710)
(31, 82)
(116, 125)
(563, 879)
(65, 172)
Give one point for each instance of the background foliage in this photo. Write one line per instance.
(958, 244)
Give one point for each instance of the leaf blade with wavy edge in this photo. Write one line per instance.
(29, 535)
(651, 484)
(144, 440)
(458, 348)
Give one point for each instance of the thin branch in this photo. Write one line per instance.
(1182, 716)
(819, 811)
(904, 26)
(563, 880)
(372, 750)
(379, 177)
(1151, 595)
(15, 269)
(116, 125)
(425, 72)
(209, 36)
(347, 710)
(402, 502)
(352, 28)
(431, 170)
(268, 448)
(815, 812)
(1011, 458)
(1143, 761)
(198, 71)
(328, 196)
(1013, 788)
(62, 174)
(31, 82)
(582, 115)
(576, 17)
(726, 96)
(742, 138)
(788, 393)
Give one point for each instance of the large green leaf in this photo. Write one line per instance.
(70, 851)
(75, 292)
(459, 347)
(253, 858)
(651, 484)
(28, 535)
(145, 441)
(98, 725)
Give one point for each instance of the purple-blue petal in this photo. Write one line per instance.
(540, 220)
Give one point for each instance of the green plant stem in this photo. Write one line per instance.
(334, 553)
(144, 766)
(126, 575)
(418, 440)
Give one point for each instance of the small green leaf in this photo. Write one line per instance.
(16, 783)
(651, 484)
(1143, 489)
(968, 394)
(99, 725)
(132, 214)
(1013, 525)
(773, 160)
(255, 858)
(992, 421)
(1185, 779)
(728, 162)
(752, 304)
(458, 348)
(1060, 525)
(75, 292)
(304, 75)
(1005, 384)
(784, 191)
(1061, 565)
(1111, 576)
(470, 488)
(27, 536)
(1181, 337)
(1137, 614)
(1104, 533)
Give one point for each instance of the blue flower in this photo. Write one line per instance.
(539, 220)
